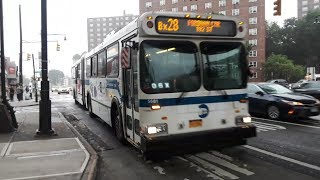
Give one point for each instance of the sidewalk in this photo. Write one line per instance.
(26, 156)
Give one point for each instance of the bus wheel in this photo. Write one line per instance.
(90, 107)
(117, 122)
(75, 99)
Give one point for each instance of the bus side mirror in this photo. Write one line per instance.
(125, 57)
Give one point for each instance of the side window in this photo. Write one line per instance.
(252, 89)
(102, 64)
(113, 61)
(73, 75)
(88, 67)
(78, 71)
(94, 64)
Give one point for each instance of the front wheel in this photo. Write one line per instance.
(273, 112)
(118, 128)
(90, 107)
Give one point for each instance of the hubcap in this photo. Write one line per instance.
(273, 112)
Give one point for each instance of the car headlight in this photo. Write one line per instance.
(293, 103)
(157, 129)
(243, 120)
(317, 101)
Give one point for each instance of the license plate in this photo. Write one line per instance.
(195, 123)
(314, 110)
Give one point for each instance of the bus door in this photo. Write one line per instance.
(82, 76)
(132, 125)
(78, 82)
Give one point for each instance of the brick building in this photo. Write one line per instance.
(307, 5)
(251, 12)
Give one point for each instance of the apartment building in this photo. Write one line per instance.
(252, 12)
(304, 6)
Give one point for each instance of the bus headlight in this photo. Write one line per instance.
(157, 128)
(243, 120)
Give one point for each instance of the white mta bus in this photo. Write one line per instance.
(170, 80)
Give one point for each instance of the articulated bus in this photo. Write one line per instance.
(169, 80)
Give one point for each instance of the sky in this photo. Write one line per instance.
(69, 17)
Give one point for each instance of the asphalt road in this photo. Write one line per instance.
(282, 150)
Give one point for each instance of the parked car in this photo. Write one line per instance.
(311, 88)
(54, 89)
(282, 82)
(63, 90)
(297, 84)
(275, 101)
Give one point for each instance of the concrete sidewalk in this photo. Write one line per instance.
(26, 156)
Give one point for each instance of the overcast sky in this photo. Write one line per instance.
(70, 17)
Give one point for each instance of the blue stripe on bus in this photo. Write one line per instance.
(86, 82)
(193, 100)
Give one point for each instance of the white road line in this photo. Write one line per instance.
(87, 155)
(218, 171)
(44, 176)
(284, 158)
(265, 127)
(316, 127)
(201, 169)
(221, 155)
(39, 156)
(267, 124)
(222, 162)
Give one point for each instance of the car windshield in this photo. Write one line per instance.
(274, 89)
(224, 65)
(310, 85)
(169, 66)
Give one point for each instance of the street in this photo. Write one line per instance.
(282, 150)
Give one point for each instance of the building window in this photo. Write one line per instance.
(208, 5)
(235, 12)
(91, 30)
(91, 25)
(91, 40)
(175, 9)
(104, 24)
(316, 7)
(222, 3)
(252, 0)
(253, 42)
(305, 9)
(90, 20)
(110, 19)
(174, 1)
(304, 14)
(235, 1)
(316, 1)
(98, 25)
(148, 4)
(98, 30)
(185, 8)
(253, 20)
(98, 34)
(110, 24)
(253, 31)
(117, 18)
(253, 9)
(222, 12)
(194, 7)
(104, 19)
(253, 53)
(162, 2)
(98, 20)
(254, 75)
(91, 35)
(253, 64)
(304, 3)
(126, 18)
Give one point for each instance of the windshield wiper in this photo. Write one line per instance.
(224, 93)
(180, 97)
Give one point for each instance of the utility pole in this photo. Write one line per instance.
(45, 103)
(20, 54)
(34, 80)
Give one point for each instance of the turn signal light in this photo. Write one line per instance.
(155, 106)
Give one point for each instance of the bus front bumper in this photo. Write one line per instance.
(198, 141)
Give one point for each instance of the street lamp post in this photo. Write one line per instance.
(45, 124)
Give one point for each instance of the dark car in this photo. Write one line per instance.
(311, 88)
(275, 101)
(282, 82)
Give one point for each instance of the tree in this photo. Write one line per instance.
(75, 57)
(56, 76)
(280, 67)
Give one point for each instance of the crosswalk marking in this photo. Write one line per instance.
(267, 127)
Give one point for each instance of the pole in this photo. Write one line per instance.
(20, 54)
(3, 79)
(34, 80)
(45, 103)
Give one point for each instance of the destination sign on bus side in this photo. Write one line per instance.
(188, 26)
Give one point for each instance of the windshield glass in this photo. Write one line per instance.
(274, 89)
(225, 65)
(169, 66)
(310, 85)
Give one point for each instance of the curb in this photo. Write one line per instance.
(91, 169)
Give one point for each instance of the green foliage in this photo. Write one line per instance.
(280, 67)
(298, 39)
(75, 57)
(56, 77)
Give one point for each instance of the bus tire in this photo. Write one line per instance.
(91, 114)
(117, 123)
(75, 99)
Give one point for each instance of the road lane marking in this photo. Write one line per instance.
(284, 158)
(40, 156)
(221, 155)
(316, 127)
(267, 127)
(216, 170)
(201, 169)
(222, 162)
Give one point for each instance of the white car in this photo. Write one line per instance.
(63, 90)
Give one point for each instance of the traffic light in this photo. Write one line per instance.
(277, 8)
(58, 47)
(28, 57)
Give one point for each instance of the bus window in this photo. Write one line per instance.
(94, 69)
(102, 63)
(88, 67)
(113, 61)
(224, 65)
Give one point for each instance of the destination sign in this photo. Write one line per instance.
(188, 26)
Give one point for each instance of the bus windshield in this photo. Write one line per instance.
(224, 65)
(169, 66)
